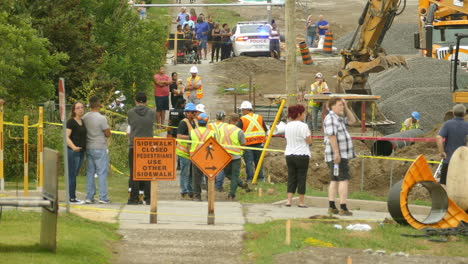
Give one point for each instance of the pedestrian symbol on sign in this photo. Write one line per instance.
(209, 150)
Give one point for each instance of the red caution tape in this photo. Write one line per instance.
(383, 138)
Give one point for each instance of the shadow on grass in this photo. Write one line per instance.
(34, 248)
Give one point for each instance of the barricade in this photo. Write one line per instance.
(306, 58)
(328, 43)
(48, 202)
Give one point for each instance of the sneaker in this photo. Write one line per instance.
(220, 189)
(104, 201)
(190, 195)
(332, 211)
(345, 212)
(88, 201)
(231, 197)
(245, 186)
(76, 201)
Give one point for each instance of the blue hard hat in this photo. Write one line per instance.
(415, 115)
(190, 107)
(202, 118)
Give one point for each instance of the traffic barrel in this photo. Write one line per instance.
(328, 43)
(306, 58)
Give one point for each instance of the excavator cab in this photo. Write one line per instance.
(459, 72)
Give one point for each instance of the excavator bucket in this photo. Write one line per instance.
(379, 64)
(444, 212)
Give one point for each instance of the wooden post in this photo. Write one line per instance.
(287, 241)
(2, 179)
(250, 87)
(25, 157)
(40, 149)
(154, 202)
(362, 174)
(50, 192)
(363, 117)
(291, 73)
(253, 95)
(260, 192)
(211, 200)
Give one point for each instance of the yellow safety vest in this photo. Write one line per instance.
(320, 89)
(412, 126)
(198, 136)
(182, 148)
(199, 91)
(216, 127)
(230, 139)
(252, 125)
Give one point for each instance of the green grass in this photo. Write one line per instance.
(263, 241)
(78, 240)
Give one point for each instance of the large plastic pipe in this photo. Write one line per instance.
(385, 148)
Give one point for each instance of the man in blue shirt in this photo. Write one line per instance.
(454, 132)
(322, 26)
(181, 16)
(202, 28)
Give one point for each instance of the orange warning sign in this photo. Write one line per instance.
(211, 158)
(154, 159)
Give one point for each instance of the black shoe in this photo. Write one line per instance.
(197, 198)
(220, 189)
(245, 186)
(147, 202)
(190, 195)
(231, 197)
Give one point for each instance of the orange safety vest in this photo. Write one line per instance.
(182, 148)
(252, 125)
(198, 136)
(199, 91)
(230, 138)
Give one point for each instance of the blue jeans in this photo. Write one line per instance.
(75, 159)
(251, 157)
(185, 175)
(219, 180)
(310, 41)
(97, 161)
(315, 111)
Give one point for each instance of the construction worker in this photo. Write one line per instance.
(217, 127)
(231, 136)
(254, 130)
(199, 135)
(318, 87)
(186, 125)
(411, 123)
(194, 87)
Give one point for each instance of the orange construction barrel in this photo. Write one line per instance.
(306, 58)
(328, 43)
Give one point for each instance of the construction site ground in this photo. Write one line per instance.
(182, 235)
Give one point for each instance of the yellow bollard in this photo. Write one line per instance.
(26, 168)
(40, 149)
(287, 239)
(267, 143)
(2, 180)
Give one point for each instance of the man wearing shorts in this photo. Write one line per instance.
(202, 28)
(161, 95)
(338, 151)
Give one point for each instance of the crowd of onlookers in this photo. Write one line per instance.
(202, 35)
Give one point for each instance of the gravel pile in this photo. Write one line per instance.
(423, 88)
(398, 40)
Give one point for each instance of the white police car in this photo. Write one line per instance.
(251, 39)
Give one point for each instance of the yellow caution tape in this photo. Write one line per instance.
(117, 170)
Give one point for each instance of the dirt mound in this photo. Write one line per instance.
(398, 40)
(423, 88)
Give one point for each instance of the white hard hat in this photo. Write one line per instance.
(319, 75)
(246, 105)
(200, 108)
(194, 69)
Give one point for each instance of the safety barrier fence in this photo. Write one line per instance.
(40, 127)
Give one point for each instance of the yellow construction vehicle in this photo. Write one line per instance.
(459, 70)
(438, 22)
(368, 56)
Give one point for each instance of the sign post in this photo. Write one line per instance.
(62, 103)
(211, 158)
(153, 160)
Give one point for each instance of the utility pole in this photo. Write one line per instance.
(269, 11)
(291, 72)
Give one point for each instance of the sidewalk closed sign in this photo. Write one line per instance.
(154, 159)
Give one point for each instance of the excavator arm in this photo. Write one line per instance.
(367, 56)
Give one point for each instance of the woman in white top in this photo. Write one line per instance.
(298, 139)
(275, 49)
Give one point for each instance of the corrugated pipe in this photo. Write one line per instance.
(385, 148)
